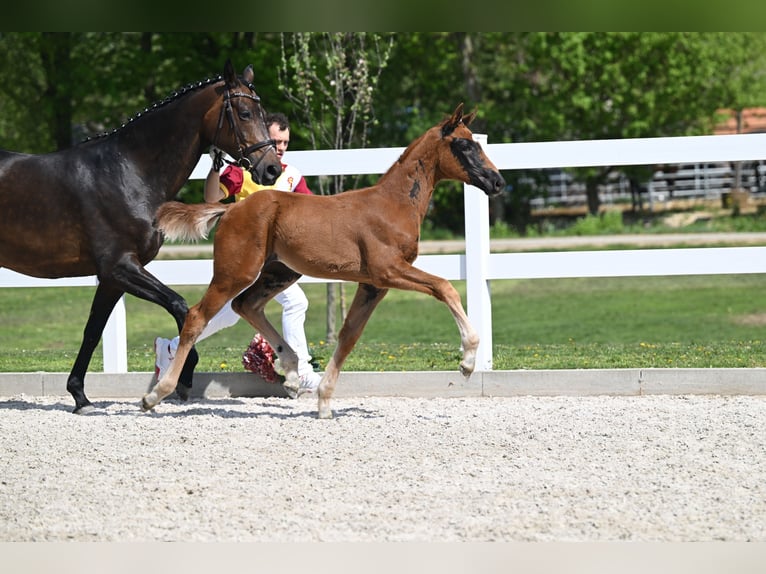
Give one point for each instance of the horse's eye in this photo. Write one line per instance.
(245, 114)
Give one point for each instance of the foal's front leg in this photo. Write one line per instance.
(413, 279)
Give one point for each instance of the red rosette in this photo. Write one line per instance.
(259, 359)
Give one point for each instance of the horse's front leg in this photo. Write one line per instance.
(365, 300)
(104, 300)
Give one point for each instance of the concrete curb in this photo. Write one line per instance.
(422, 384)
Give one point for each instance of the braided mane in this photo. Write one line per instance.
(157, 105)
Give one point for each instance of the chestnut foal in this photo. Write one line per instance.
(368, 236)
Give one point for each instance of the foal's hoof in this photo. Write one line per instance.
(292, 389)
(325, 413)
(148, 403)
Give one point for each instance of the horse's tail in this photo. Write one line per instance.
(188, 222)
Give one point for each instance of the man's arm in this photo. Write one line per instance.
(220, 186)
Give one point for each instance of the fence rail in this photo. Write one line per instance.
(478, 266)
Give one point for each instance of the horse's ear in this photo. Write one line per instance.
(467, 119)
(248, 75)
(230, 75)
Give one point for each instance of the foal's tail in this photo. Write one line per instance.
(188, 222)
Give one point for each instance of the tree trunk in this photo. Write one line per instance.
(738, 164)
(591, 189)
(330, 326)
(56, 52)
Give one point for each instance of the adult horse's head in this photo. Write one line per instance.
(238, 127)
(463, 158)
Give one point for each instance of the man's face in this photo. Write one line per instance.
(282, 137)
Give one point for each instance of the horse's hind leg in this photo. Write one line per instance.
(104, 300)
(366, 299)
(275, 277)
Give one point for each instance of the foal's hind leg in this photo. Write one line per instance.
(275, 277)
(366, 299)
(196, 319)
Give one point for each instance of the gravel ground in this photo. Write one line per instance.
(654, 468)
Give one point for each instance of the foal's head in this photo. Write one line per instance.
(239, 127)
(463, 159)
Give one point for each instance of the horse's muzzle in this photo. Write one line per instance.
(263, 172)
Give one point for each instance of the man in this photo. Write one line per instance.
(236, 182)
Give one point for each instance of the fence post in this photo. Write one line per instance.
(114, 340)
(476, 267)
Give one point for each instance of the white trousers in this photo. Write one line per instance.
(294, 306)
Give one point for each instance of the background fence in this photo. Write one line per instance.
(710, 181)
(478, 266)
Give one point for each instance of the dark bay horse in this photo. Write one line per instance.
(368, 236)
(90, 209)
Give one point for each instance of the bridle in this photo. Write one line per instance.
(242, 151)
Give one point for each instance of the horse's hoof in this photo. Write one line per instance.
(183, 392)
(325, 414)
(84, 410)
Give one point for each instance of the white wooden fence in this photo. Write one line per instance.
(477, 266)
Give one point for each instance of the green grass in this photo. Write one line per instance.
(710, 321)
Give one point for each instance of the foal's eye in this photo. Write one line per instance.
(464, 144)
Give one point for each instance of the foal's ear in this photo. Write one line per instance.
(248, 75)
(467, 119)
(457, 115)
(229, 75)
(449, 125)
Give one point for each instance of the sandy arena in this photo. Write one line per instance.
(653, 468)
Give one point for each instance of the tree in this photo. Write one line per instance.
(331, 79)
(565, 86)
(59, 88)
(743, 55)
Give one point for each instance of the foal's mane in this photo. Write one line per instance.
(173, 96)
(416, 143)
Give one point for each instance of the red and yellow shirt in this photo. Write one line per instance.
(236, 181)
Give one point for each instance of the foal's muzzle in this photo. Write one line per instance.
(489, 181)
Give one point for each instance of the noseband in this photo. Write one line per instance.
(227, 110)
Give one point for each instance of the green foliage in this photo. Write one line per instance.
(331, 79)
(608, 222)
(95, 81)
(528, 86)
